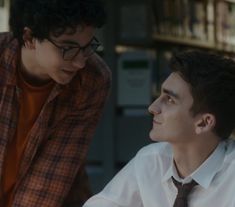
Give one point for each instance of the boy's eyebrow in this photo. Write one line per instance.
(171, 93)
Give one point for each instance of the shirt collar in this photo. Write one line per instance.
(205, 173)
(169, 172)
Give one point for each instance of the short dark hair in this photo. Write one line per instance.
(211, 78)
(54, 16)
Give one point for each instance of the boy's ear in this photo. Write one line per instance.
(205, 123)
(29, 40)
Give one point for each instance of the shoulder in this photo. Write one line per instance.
(9, 53)
(152, 160)
(160, 148)
(91, 85)
(5, 38)
(9, 46)
(230, 151)
(98, 70)
(95, 75)
(154, 153)
(96, 65)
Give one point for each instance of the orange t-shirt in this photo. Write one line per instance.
(31, 101)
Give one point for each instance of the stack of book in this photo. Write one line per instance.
(225, 22)
(209, 21)
(182, 18)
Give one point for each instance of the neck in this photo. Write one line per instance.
(188, 157)
(30, 71)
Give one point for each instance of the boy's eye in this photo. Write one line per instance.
(169, 99)
(68, 47)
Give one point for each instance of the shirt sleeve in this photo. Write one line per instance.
(121, 191)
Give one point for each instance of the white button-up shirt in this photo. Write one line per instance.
(146, 180)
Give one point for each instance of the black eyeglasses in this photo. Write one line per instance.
(70, 52)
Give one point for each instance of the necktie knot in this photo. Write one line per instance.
(183, 192)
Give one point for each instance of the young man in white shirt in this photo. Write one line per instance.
(192, 120)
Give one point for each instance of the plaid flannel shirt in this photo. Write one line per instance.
(51, 172)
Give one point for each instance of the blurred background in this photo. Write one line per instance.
(138, 41)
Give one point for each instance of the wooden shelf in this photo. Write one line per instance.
(228, 48)
(120, 48)
(230, 1)
(184, 41)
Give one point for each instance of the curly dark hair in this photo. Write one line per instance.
(211, 78)
(54, 16)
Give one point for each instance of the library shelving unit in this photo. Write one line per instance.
(203, 24)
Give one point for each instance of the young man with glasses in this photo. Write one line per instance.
(53, 89)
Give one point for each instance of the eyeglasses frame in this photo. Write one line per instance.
(80, 48)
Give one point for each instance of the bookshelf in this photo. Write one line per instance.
(203, 24)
